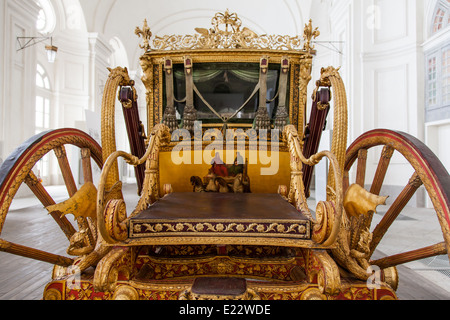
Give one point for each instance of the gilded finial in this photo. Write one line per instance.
(309, 34)
(146, 35)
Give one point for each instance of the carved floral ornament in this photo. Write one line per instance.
(227, 33)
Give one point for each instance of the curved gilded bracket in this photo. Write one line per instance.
(328, 223)
(330, 77)
(111, 215)
(117, 77)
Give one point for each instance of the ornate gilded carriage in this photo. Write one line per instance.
(223, 177)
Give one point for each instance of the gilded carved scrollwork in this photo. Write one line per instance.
(111, 215)
(340, 127)
(227, 32)
(325, 216)
(126, 293)
(117, 77)
(115, 219)
(353, 258)
(322, 267)
(328, 223)
(52, 295)
(118, 262)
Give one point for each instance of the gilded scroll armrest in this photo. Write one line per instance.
(111, 213)
(328, 214)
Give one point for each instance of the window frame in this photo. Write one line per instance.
(44, 92)
(437, 107)
(48, 11)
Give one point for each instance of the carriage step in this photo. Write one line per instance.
(219, 286)
(213, 288)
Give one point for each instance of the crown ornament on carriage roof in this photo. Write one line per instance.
(227, 33)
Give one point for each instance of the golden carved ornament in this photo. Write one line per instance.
(325, 216)
(313, 294)
(83, 203)
(225, 227)
(111, 216)
(146, 34)
(309, 34)
(116, 262)
(358, 201)
(328, 225)
(227, 33)
(52, 294)
(115, 219)
(126, 293)
(327, 272)
(390, 277)
(330, 76)
(117, 77)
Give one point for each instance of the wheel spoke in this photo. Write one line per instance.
(383, 165)
(361, 168)
(86, 164)
(428, 171)
(392, 261)
(380, 174)
(34, 254)
(395, 209)
(66, 172)
(44, 197)
(18, 170)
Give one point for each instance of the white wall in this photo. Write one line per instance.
(18, 75)
(382, 64)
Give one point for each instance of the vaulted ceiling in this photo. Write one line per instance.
(118, 18)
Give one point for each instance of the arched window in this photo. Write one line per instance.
(43, 95)
(42, 118)
(441, 16)
(46, 21)
(438, 65)
(438, 21)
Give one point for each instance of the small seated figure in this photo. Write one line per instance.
(237, 167)
(218, 167)
(223, 178)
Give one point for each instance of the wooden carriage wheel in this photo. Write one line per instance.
(18, 169)
(428, 170)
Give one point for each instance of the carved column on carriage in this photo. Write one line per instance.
(282, 115)
(190, 114)
(147, 69)
(148, 81)
(309, 33)
(262, 119)
(305, 78)
(170, 116)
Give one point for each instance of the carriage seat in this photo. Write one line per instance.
(221, 215)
